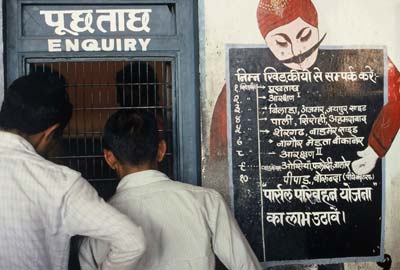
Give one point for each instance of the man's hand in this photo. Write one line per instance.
(367, 161)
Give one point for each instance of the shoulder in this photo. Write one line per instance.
(52, 173)
(201, 194)
(54, 168)
(44, 182)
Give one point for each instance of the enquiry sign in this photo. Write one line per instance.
(88, 22)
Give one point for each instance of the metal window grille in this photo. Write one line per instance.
(99, 88)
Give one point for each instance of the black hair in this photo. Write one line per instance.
(136, 85)
(132, 136)
(35, 102)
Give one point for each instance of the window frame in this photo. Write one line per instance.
(181, 49)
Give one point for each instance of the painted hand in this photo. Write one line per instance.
(367, 161)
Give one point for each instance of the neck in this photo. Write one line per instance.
(124, 170)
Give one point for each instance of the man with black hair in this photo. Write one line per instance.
(136, 85)
(184, 225)
(44, 204)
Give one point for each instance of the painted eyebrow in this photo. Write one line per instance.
(286, 37)
(301, 32)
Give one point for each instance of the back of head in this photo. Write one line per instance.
(136, 85)
(35, 102)
(132, 136)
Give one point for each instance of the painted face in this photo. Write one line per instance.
(295, 44)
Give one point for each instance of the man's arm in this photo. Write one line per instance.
(85, 213)
(229, 243)
(385, 127)
(92, 252)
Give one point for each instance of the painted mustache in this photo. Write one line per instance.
(301, 57)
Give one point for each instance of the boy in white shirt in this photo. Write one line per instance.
(184, 225)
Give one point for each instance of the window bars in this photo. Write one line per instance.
(99, 88)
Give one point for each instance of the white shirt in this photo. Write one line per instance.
(184, 226)
(43, 204)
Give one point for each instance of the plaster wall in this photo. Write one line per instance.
(347, 23)
(1, 55)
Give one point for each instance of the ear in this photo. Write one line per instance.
(48, 134)
(110, 159)
(162, 149)
(42, 141)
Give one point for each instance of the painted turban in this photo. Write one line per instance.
(275, 13)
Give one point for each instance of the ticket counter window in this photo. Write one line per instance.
(114, 55)
(97, 89)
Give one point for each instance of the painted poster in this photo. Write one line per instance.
(292, 137)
